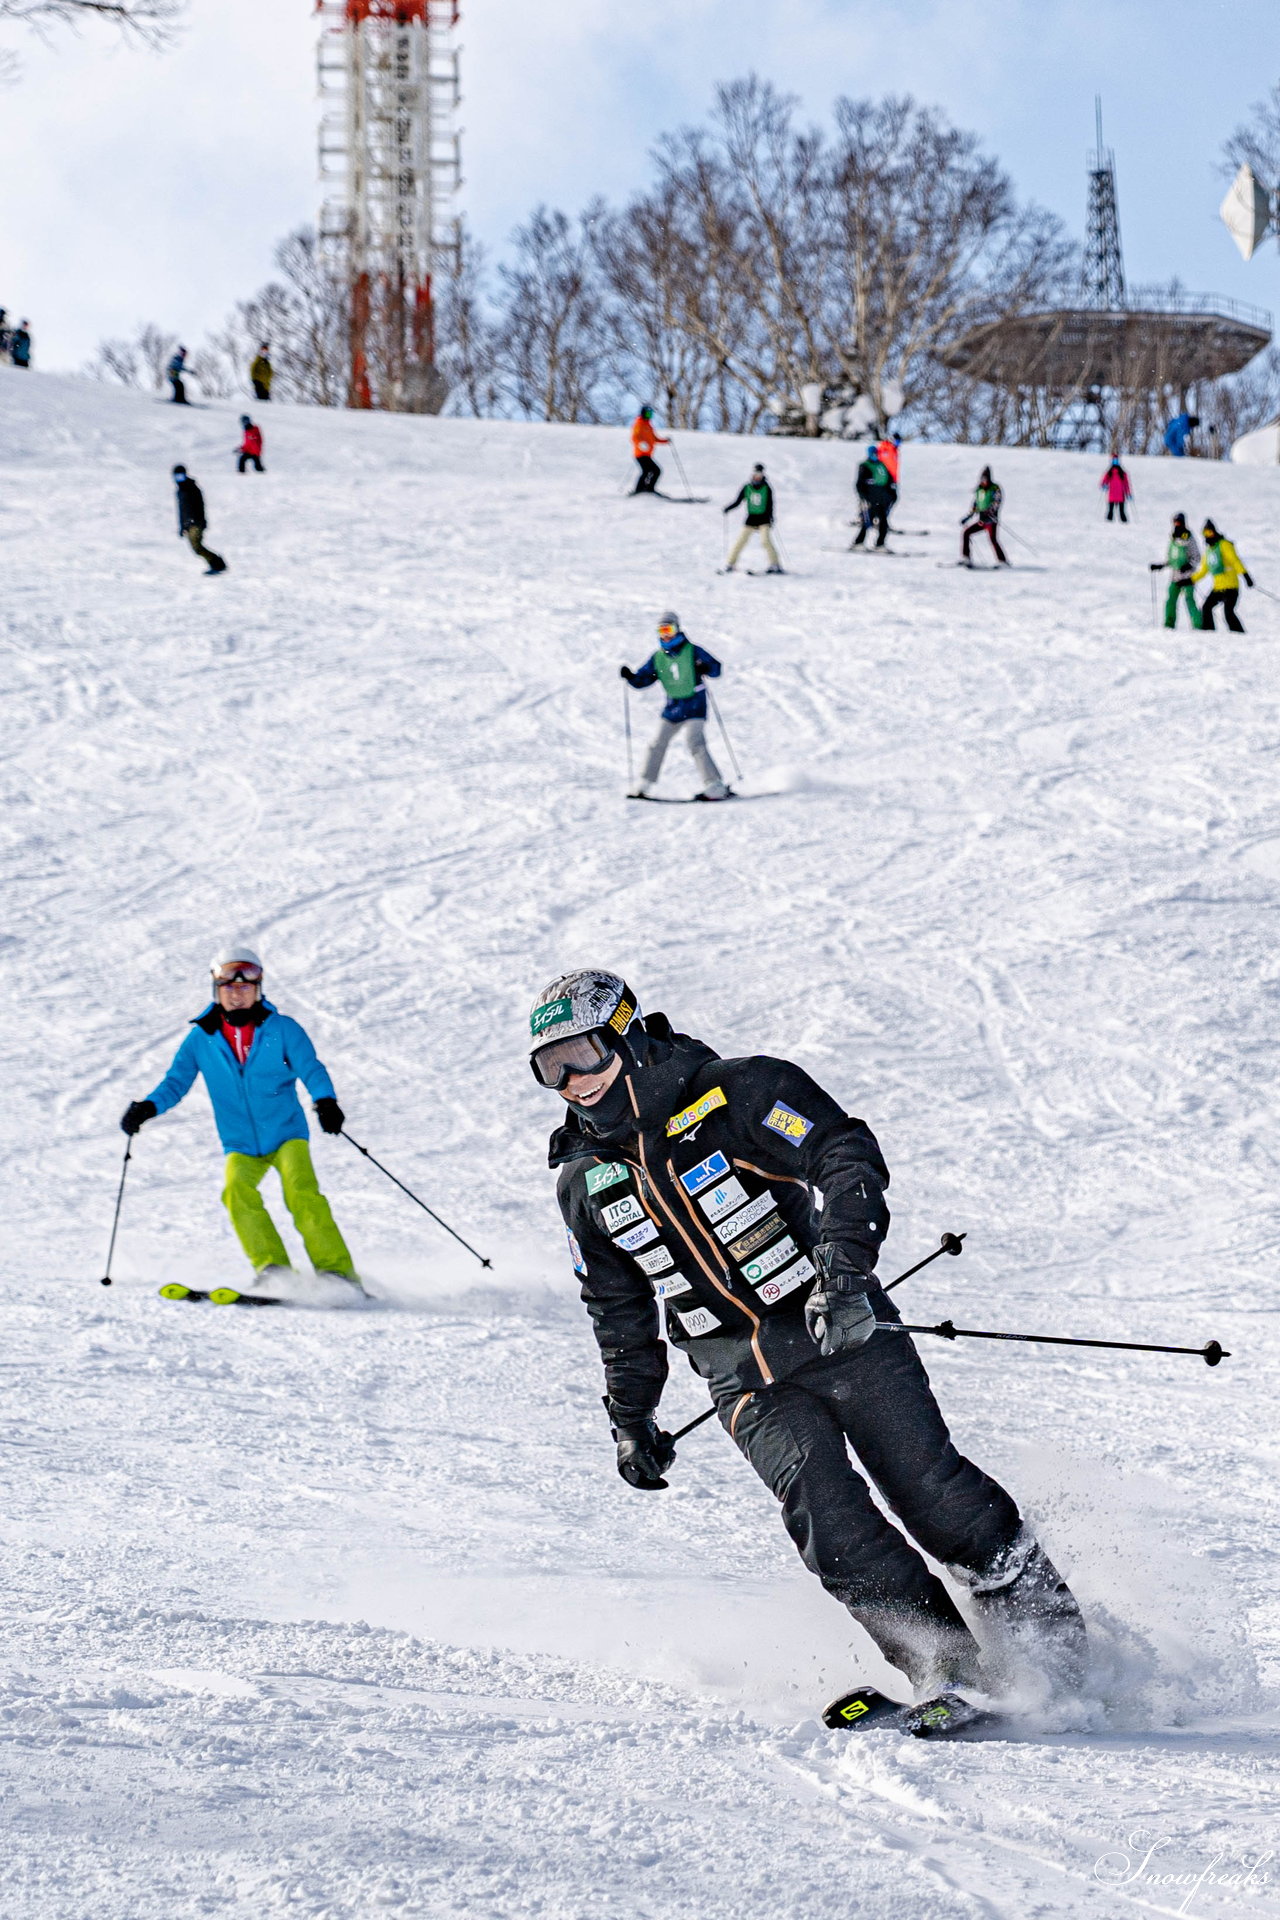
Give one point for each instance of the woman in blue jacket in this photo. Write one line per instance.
(251, 1056)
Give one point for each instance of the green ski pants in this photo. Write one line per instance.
(1171, 602)
(255, 1229)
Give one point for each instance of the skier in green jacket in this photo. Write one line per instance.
(1182, 560)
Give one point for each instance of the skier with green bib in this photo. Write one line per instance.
(756, 495)
(1182, 560)
(680, 667)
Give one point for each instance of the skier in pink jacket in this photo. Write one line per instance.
(1116, 482)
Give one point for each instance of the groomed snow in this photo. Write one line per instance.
(342, 1614)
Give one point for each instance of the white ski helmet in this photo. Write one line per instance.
(575, 1004)
(236, 963)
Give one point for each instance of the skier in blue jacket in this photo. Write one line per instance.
(681, 667)
(251, 1056)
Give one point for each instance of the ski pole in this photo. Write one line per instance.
(413, 1196)
(128, 1151)
(684, 478)
(1210, 1354)
(733, 758)
(951, 1243)
(626, 721)
(1018, 537)
(1155, 618)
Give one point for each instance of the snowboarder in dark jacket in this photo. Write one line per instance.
(687, 1184)
(173, 373)
(876, 492)
(681, 667)
(20, 345)
(191, 519)
(757, 496)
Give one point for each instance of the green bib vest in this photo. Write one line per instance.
(756, 497)
(677, 671)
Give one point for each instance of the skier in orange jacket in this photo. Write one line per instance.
(643, 441)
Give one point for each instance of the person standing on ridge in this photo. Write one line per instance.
(1178, 433)
(693, 1178)
(757, 496)
(20, 345)
(261, 373)
(1227, 569)
(250, 447)
(984, 517)
(1182, 560)
(173, 373)
(681, 667)
(875, 490)
(1118, 489)
(644, 438)
(251, 1056)
(191, 520)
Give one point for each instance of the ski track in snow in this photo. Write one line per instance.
(347, 1613)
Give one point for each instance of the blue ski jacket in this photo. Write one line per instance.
(255, 1106)
(694, 705)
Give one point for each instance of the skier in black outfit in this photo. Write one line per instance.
(191, 519)
(693, 1178)
(876, 492)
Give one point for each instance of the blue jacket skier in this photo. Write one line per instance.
(681, 667)
(250, 1057)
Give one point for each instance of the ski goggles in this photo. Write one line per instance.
(666, 631)
(240, 971)
(553, 1066)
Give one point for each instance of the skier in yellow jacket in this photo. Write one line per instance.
(1227, 568)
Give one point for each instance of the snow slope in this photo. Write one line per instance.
(347, 1613)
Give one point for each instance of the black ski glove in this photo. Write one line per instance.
(329, 1114)
(626, 674)
(1248, 579)
(837, 1313)
(644, 1454)
(1155, 566)
(136, 1115)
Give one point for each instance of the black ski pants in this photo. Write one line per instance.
(261, 391)
(877, 517)
(1114, 507)
(987, 527)
(179, 394)
(1224, 597)
(650, 473)
(246, 459)
(878, 1400)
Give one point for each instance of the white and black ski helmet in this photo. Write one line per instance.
(588, 1001)
(236, 963)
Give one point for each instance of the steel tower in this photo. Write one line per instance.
(390, 164)
(1102, 282)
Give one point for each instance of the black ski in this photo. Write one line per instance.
(673, 499)
(220, 1296)
(938, 1719)
(692, 800)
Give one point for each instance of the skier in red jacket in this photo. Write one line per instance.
(250, 446)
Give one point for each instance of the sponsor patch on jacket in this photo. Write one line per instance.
(598, 1178)
(622, 1018)
(657, 1260)
(754, 1237)
(791, 1125)
(753, 1211)
(575, 1252)
(714, 1167)
(766, 1263)
(626, 1212)
(717, 1201)
(681, 1122)
(786, 1282)
(671, 1285)
(637, 1237)
(701, 1320)
(549, 1015)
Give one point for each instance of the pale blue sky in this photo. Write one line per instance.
(144, 187)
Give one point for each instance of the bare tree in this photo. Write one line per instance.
(551, 363)
(151, 20)
(1257, 142)
(468, 340)
(136, 362)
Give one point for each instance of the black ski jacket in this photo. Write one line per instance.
(190, 505)
(700, 1212)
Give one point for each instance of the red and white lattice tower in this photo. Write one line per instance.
(390, 163)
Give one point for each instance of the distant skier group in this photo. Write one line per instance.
(15, 342)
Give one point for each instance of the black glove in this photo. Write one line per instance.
(329, 1114)
(626, 674)
(136, 1115)
(1248, 579)
(1155, 566)
(644, 1454)
(837, 1312)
